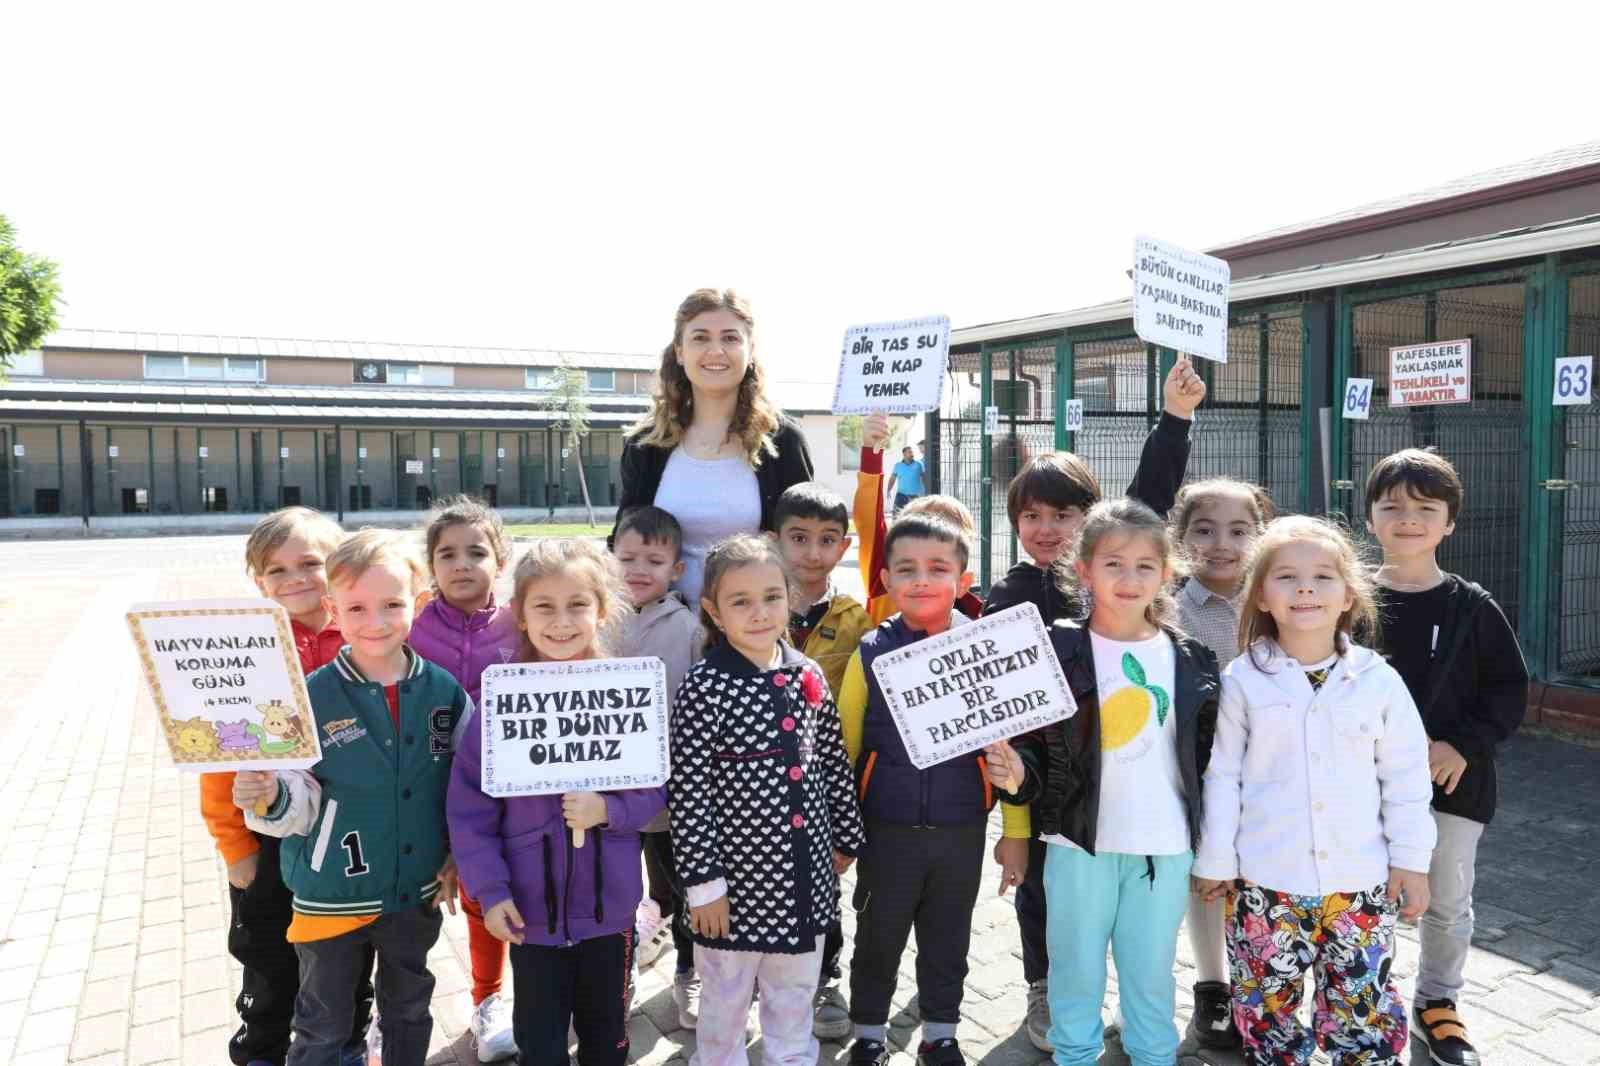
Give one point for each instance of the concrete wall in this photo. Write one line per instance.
(93, 366)
(310, 372)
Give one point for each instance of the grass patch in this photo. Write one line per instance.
(557, 529)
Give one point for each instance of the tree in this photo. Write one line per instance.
(568, 405)
(29, 288)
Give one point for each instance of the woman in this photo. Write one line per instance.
(714, 451)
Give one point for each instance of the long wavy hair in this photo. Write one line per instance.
(755, 418)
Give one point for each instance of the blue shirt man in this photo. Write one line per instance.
(906, 480)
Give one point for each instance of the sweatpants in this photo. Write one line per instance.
(1135, 903)
(1347, 941)
(922, 879)
(586, 985)
(661, 875)
(1445, 928)
(256, 930)
(728, 980)
(488, 954)
(1032, 915)
(329, 970)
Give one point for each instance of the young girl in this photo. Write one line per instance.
(1316, 818)
(764, 815)
(568, 914)
(1216, 521)
(462, 630)
(1116, 787)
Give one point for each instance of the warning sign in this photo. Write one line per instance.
(1424, 374)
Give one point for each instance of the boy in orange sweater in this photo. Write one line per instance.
(285, 556)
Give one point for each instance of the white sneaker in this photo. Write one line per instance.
(374, 1041)
(686, 997)
(491, 1030)
(654, 933)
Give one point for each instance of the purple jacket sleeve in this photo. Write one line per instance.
(474, 821)
(633, 807)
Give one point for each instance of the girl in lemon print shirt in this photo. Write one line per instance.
(1118, 786)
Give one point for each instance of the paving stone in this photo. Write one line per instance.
(103, 997)
(99, 1035)
(155, 1003)
(207, 1010)
(51, 993)
(157, 967)
(42, 1030)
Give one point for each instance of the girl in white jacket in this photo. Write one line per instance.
(1316, 821)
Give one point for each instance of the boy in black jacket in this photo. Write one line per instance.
(1046, 503)
(1460, 660)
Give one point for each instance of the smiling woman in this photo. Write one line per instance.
(714, 451)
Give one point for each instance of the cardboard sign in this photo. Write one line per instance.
(1180, 299)
(225, 678)
(1074, 419)
(897, 367)
(1422, 375)
(1573, 380)
(588, 726)
(988, 680)
(1357, 398)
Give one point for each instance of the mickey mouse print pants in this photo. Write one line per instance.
(1346, 941)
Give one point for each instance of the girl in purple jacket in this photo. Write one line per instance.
(463, 630)
(567, 913)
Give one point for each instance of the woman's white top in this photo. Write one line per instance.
(711, 499)
(1313, 792)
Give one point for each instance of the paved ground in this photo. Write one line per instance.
(112, 898)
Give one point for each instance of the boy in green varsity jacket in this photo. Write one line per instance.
(365, 850)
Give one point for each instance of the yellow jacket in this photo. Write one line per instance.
(836, 638)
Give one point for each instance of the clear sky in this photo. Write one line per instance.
(560, 175)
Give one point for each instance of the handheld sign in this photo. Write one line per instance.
(988, 680)
(1180, 299)
(586, 726)
(1422, 375)
(1357, 398)
(225, 678)
(1572, 386)
(897, 367)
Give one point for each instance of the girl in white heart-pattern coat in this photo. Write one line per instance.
(764, 814)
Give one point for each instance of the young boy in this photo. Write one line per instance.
(1046, 503)
(365, 850)
(286, 556)
(649, 545)
(1460, 660)
(813, 535)
(923, 859)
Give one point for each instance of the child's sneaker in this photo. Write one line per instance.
(1213, 1017)
(869, 1053)
(686, 997)
(653, 932)
(832, 1020)
(946, 1052)
(374, 1042)
(1441, 1028)
(491, 1030)
(1038, 1021)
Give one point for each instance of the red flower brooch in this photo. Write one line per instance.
(811, 687)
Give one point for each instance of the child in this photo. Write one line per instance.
(568, 914)
(649, 547)
(1460, 661)
(285, 556)
(954, 512)
(1215, 521)
(763, 817)
(923, 859)
(364, 848)
(462, 630)
(1316, 815)
(1116, 788)
(1046, 503)
(826, 626)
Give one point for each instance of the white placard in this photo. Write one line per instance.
(499, 453)
(1357, 398)
(1574, 380)
(988, 680)
(413, 466)
(18, 450)
(991, 421)
(225, 680)
(1180, 298)
(566, 452)
(1074, 417)
(1422, 375)
(436, 453)
(283, 453)
(586, 726)
(896, 367)
(361, 453)
(114, 450)
(205, 451)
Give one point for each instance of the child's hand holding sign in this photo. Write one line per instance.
(255, 790)
(1004, 765)
(1183, 390)
(583, 810)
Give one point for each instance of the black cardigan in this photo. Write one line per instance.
(643, 464)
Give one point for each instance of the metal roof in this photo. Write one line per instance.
(234, 392)
(122, 340)
(1554, 237)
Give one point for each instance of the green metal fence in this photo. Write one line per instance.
(1575, 500)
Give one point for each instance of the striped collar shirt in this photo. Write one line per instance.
(1210, 619)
